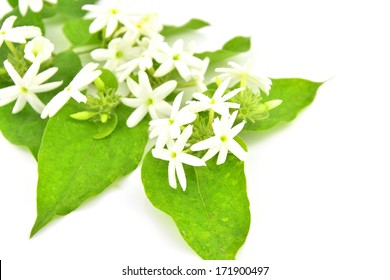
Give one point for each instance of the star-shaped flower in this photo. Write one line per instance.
(176, 157)
(25, 89)
(119, 51)
(223, 141)
(107, 16)
(237, 73)
(147, 100)
(218, 103)
(177, 57)
(17, 34)
(80, 82)
(169, 128)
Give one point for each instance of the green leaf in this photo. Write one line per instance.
(13, 3)
(296, 94)
(26, 128)
(109, 79)
(77, 32)
(213, 214)
(105, 129)
(72, 8)
(73, 166)
(192, 25)
(233, 47)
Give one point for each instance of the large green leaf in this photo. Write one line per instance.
(26, 128)
(296, 95)
(73, 166)
(72, 8)
(233, 47)
(213, 214)
(77, 32)
(191, 25)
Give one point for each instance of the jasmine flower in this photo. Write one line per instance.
(176, 157)
(223, 141)
(147, 100)
(218, 103)
(38, 49)
(17, 34)
(169, 128)
(25, 89)
(107, 16)
(80, 82)
(237, 73)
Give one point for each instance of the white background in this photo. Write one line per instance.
(318, 187)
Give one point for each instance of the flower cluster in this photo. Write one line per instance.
(190, 121)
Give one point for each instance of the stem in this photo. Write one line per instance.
(12, 48)
(243, 82)
(186, 84)
(211, 118)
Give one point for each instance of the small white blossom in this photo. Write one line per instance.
(176, 157)
(237, 73)
(107, 16)
(25, 89)
(35, 5)
(218, 103)
(119, 51)
(17, 34)
(223, 141)
(38, 49)
(149, 25)
(148, 48)
(198, 75)
(177, 57)
(80, 82)
(147, 100)
(169, 128)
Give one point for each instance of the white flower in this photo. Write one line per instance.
(242, 74)
(177, 57)
(147, 100)
(176, 157)
(223, 141)
(119, 51)
(80, 82)
(198, 75)
(25, 89)
(218, 103)
(35, 5)
(169, 128)
(38, 49)
(147, 51)
(107, 16)
(149, 25)
(17, 34)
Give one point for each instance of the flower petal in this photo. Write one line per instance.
(12, 73)
(172, 174)
(55, 104)
(137, 116)
(181, 175)
(222, 155)
(45, 87)
(98, 24)
(164, 90)
(132, 102)
(237, 150)
(191, 160)
(183, 138)
(19, 105)
(35, 103)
